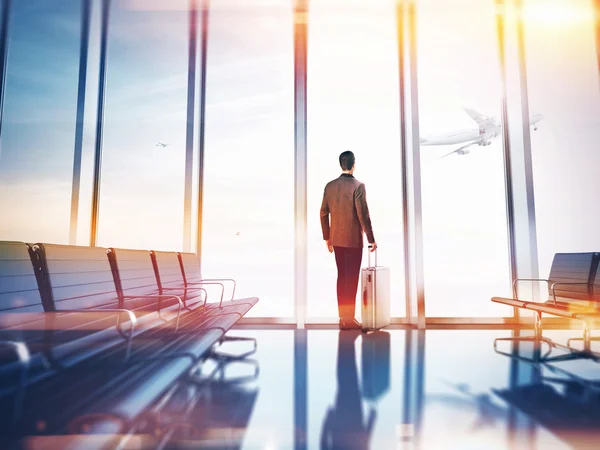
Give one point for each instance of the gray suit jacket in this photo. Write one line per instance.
(345, 200)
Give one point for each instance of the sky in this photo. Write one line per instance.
(248, 225)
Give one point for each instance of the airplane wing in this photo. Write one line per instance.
(460, 150)
(479, 118)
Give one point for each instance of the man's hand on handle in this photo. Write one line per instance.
(372, 246)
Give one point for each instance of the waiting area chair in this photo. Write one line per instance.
(573, 288)
(91, 342)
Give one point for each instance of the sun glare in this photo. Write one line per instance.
(557, 12)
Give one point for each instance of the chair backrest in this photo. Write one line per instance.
(573, 268)
(135, 277)
(78, 277)
(19, 288)
(190, 266)
(134, 271)
(168, 269)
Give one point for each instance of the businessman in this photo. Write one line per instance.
(345, 201)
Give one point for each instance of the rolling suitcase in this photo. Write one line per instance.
(375, 365)
(375, 289)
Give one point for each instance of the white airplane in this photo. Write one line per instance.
(161, 144)
(489, 129)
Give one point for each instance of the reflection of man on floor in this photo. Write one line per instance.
(344, 426)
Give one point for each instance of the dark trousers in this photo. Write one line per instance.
(348, 261)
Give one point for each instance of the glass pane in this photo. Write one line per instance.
(562, 71)
(38, 124)
(143, 165)
(248, 217)
(465, 236)
(353, 104)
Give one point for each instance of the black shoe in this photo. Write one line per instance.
(346, 324)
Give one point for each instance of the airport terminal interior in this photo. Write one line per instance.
(164, 278)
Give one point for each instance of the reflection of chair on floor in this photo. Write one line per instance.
(566, 404)
(223, 418)
(217, 414)
(489, 413)
(572, 415)
(539, 356)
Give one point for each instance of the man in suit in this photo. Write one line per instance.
(345, 200)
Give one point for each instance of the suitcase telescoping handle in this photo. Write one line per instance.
(370, 247)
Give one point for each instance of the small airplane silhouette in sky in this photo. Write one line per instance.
(161, 144)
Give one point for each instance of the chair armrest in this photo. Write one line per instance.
(160, 297)
(553, 288)
(19, 349)
(220, 279)
(516, 280)
(130, 314)
(188, 289)
(214, 283)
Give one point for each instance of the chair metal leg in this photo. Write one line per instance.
(538, 324)
(587, 341)
(242, 379)
(586, 336)
(229, 357)
(195, 374)
(537, 337)
(534, 339)
(537, 340)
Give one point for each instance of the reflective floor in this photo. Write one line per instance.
(397, 389)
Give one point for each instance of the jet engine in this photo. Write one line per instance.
(464, 151)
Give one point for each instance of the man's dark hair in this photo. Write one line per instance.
(347, 160)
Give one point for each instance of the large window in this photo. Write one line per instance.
(353, 104)
(143, 165)
(466, 259)
(38, 123)
(248, 217)
(562, 70)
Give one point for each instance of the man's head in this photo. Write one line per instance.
(347, 161)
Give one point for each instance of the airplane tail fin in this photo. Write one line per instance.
(476, 116)
(535, 118)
